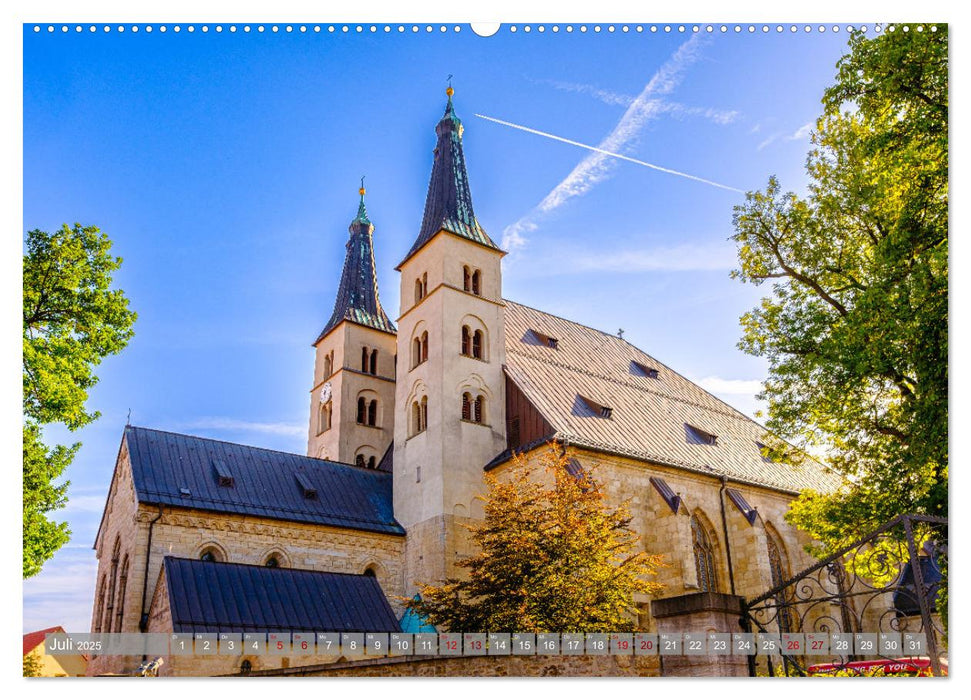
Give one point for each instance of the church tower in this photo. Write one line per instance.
(352, 399)
(450, 400)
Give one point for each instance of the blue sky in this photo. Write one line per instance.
(225, 168)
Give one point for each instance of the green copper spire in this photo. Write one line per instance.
(448, 204)
(361, 209)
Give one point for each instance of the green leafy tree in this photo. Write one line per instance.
(855, 327)
(72, 320)
(554, 556)
(32, 667)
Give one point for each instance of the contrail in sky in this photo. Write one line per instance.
(609, 153)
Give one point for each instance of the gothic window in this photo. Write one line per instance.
(372, 413)
(272, 563)
(476, 287)
(477, 345)
(100, 604)
(323, 417)
(120, 603)
(374, 362)
(370, 572)
(477, 409)
(704, 555)
(466, 406)
(778, 572)
(361, 410)
(466, 341)
(112, 586)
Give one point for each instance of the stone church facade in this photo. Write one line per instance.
(405, 419)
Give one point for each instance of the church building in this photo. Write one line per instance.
(406, 418)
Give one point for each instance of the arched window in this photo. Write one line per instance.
(466, 341)
(364, 359)
(359, 461)
(210, 554)
(112, 586)
(477, 345)
(272, 563)
(100, 604)
(372, 412)
(371, 572)
(120, 602)
(466, 279)
(424, 412)
(245, 667)
(415, 418)
(704, 555)
(374, 362)
(323, 417)
(478, 409)
(779, 573)
(328, 365)
(424, 346)
(419, 292)
(416, 352)
(361, 410)
(476, 288)
(371, 462)
(466, 406)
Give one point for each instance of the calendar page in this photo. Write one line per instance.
(450, 349)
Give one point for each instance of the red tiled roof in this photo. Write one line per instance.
(32, 639)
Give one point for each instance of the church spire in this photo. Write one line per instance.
(448, 204)
(357, 296)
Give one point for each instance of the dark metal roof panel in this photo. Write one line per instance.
(264, 482)
(222, 597)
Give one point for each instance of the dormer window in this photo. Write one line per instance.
(644, 370)
(547, 340)
(699, 436)
(598, 408)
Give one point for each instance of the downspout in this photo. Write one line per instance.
(728, 546)
(143, 619)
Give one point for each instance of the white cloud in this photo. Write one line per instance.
(597, 166)
(718, 116)
(512, 235)
(606, 96)
(62, 594)
(218, 423)
(718, 385)
(797, 135)
(81, 504)
(801, 133)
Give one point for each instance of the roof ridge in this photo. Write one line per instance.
(262, 567)
(734, 413)
(252, 447)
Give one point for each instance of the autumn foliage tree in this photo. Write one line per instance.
(855, 322)
(73, 318)
(554, 556)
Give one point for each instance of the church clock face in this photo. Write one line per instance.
(325, 393)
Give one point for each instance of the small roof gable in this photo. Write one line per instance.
(223, 597)
(191, 472)
(32, 639)
(649, 413)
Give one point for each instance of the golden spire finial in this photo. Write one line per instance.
(449, 91)
(362, 191)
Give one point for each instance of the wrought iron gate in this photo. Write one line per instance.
(887, 582)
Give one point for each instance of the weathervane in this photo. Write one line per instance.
(449, 91)
(362, 186)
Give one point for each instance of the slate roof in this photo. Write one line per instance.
(357, 296)
(222, 597)
(653, 419)
(448, 204)
(183, 470)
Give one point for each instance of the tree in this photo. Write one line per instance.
(554, 557)
(855, 326)
(72, 320)
(32, 665)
